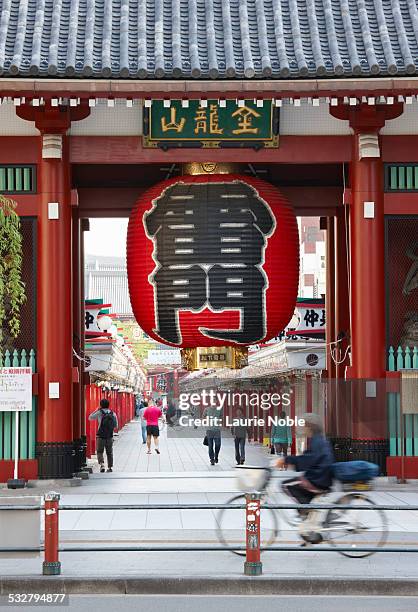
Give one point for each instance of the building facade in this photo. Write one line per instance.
(312, 277)
(106, 277)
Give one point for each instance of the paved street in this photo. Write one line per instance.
(201, 484)
(214, 603)
(178, 452)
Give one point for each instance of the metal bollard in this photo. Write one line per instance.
(51, 565)
(253, 565)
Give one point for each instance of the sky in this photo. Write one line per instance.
(106, 237)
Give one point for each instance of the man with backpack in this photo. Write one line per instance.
(108, 422)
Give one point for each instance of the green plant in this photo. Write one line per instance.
(12, 289)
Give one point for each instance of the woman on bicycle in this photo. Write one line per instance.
(316, 463)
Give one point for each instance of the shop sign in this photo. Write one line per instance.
(203, 358)
(211, 125)
(161, 383)
(98, 361)
(15, 389)
(309, 319)
(311, 359)
(164, 357)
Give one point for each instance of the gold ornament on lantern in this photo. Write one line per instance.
(216, 357)
(196, 168)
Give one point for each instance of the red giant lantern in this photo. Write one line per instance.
(213, 260)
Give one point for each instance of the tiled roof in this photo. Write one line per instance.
(233, 39)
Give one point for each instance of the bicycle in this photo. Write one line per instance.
(339, 527)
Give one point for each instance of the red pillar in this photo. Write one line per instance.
(368, 324)
(330, 295)
(54, 308)
(77, 335)
(367, 238)
(367, 247)
(293, 412)
(55, 317)
(367, 279)
(342, 324)
(84, 224)
(342, 298)
(330, 417)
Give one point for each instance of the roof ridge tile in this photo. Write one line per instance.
(278, 39)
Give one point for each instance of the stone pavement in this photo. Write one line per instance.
(182, 474)
(179, 452)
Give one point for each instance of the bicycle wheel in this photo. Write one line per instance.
(354, 527)
(231, 525)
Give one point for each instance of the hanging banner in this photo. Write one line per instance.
(309, 319)
(15, 389)
(164, 357)
(216, 124)
(92, 312)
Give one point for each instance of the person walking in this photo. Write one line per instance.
(107, 423)
(213, 432)
(152, 414)
(281, 436)
(170, 413)
(138, 405)
(240, 435)
(142, 421)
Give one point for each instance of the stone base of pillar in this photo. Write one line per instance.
(55, 459)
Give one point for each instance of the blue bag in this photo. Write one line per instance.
(354, 471)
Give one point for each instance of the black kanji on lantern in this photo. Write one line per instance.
(209, 242)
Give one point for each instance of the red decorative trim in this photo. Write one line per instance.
(35, 384)
(27, 205)
(401, 203)
(129, 150)
(393, 382)
(53, 120)
(27, 469)
(97, 307)
(394, 467)
(300, 332)
(97, 335)
(366, 118)
(318, 305)
(399, 149)
(19, 150)
(193, 88)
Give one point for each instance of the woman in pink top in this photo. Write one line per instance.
(151, 415)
